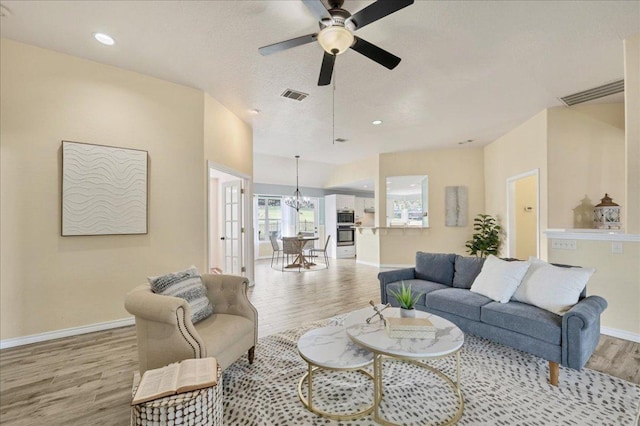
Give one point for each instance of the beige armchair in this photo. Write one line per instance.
(166, 334)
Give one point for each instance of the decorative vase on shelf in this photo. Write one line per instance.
(407, 313)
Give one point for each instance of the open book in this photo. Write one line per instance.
(184, 376)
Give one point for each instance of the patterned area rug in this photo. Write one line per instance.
(501, 386)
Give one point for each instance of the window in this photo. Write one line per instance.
(269, 216)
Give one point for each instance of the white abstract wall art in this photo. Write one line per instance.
(104, 190)
(456, 206)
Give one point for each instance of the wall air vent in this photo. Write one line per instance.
(595, 93)
(294, 94)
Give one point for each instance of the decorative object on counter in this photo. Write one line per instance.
(486, 240)
(407, 300)
(297, 201)
(456, 205)
(378, 312)
(606, 215)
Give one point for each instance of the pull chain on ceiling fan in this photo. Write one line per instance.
(336, 34)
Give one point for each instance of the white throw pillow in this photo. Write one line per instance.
(552, 288)
(499, 279)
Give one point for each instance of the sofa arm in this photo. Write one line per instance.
(581, 331)
(164, 330)
(228, 295)
(393, 276)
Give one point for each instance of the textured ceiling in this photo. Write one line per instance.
(469, 70)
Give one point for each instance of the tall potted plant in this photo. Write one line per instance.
(486, 239)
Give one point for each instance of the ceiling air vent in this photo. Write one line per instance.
(595, 93)
(341, 140)
(293, 94)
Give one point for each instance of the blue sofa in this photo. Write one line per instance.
(445, 280)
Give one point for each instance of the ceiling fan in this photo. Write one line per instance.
(336, 33)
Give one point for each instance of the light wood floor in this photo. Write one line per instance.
(86, 380)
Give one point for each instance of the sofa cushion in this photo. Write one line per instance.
(555, 289)
(499, 279)
(436, 267)
(187, 285)
(466, 269)
(417, 286)
(524, 319)
(457, 301)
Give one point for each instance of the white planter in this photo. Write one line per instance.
(407, 313)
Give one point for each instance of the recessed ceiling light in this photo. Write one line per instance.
(254, 111)
(376, 122)
(104, 39)
(364, 186)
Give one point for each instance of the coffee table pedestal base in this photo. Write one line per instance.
(308, 401)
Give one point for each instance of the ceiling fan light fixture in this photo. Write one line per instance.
(335, 39)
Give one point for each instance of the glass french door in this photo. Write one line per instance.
(232, 220)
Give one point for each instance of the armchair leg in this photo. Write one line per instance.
(553, 373)
(252, 354)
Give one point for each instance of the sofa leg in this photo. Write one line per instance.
(252, 354)
(554, 370)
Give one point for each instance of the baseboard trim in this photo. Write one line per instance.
(397, 265)
(67, 332)
(620, 334)
(364, 262)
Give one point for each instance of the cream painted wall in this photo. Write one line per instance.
(585, 161)
(454, 167)
(364, 169)
(631, 211)
(521, 150)
(617, 279)
(228, 141)
(526, 228)
(49, 282)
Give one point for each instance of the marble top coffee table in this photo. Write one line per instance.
(330, 348)
(373, 336)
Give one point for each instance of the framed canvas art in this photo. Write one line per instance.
(104, 190)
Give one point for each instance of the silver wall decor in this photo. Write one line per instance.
(104, 190)
(456, 205)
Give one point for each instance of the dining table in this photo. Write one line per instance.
(300, 261)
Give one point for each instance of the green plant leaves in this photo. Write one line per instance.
(487, 239)
(405, 297)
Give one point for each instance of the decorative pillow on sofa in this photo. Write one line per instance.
(188, 286)
(435, 267)
(552, 288)
(499, 279)
(466, 270)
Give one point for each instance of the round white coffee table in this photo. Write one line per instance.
(330, 348)
(373, 336)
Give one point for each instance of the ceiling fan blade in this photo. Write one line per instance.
(287, 44)
(378, 10)
(375, 53)
(326, 71)
(317, 8)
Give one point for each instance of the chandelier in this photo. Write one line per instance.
(297, 201)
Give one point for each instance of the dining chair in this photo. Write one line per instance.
(290, 246)
(276, 249)
(323, 250)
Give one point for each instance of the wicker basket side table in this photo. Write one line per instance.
(202, 407)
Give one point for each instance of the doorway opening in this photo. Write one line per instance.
(523, 218)
(229, 222)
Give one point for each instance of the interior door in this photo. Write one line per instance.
(232, 227)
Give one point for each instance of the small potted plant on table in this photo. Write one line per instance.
(407, 300)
